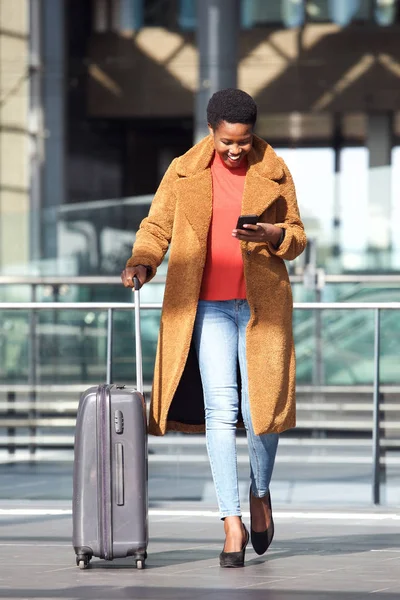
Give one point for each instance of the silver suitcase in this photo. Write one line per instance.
(110, 504)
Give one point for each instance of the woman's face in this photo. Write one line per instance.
(232, 141)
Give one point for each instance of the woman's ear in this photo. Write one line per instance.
(210, 129)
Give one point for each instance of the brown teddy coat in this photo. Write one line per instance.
(179, 219)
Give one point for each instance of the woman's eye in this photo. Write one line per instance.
(226, 143)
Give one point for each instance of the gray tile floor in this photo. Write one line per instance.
(316, 555)
(330, 542)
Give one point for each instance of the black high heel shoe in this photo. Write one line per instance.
(235, 559)
(261, 540)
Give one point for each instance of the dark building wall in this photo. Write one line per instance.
(95, 147)
(113, 155)
(131, 96)
(317, 68)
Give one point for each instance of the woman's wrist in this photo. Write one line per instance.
(281, 238)
(276, 236)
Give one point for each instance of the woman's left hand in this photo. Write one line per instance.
(262, 232)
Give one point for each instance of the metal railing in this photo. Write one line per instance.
(89, 280)
(110, 308)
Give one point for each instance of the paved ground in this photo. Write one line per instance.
(315, 556)
(330, 542)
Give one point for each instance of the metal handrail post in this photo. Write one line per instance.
(11, 431)
(32, 375)
(376, 412)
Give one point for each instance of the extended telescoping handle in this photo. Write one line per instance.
(138, 337)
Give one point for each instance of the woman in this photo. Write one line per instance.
(227, 302)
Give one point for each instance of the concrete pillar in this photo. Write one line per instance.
(14, 136)
(36, 150)
(217, 41)
(54, 121)
(379, 188)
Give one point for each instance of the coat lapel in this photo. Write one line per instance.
(262, 180)
(194, 197)
(259, 193)
(194, 187)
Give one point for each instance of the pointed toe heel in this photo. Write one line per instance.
(261, 540)
(234, 560)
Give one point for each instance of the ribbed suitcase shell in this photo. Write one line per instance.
(110, 505)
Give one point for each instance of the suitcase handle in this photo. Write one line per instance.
(138, 338)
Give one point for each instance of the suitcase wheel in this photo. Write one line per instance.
(140, 564)
(82, 561)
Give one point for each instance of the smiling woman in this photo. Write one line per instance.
(227, 302)
(232, 142)
(232, 128)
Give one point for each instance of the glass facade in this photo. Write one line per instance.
(131, 15)
(48, 358)
(70, 346)
(335, 206)
(96, 237)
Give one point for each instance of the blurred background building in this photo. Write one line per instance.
(98, 96)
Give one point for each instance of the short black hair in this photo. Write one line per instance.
(233, 106)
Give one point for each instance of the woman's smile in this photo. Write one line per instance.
(232, 141)
(234, 158)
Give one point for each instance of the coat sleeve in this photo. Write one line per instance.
(155, 231)
(288, 218)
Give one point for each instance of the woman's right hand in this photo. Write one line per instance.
(129, 273)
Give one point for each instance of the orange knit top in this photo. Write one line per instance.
(223, 277)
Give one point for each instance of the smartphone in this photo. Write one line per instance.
(247, 220)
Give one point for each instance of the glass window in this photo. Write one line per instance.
(341, 12)
(293, 12)
(385, 12)
(131, 15)
(353, 198)
(335, 207)
(395, 216)
(313, 173)
(187, 15)
(259, 12)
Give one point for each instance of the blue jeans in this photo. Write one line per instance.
(220, 340)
